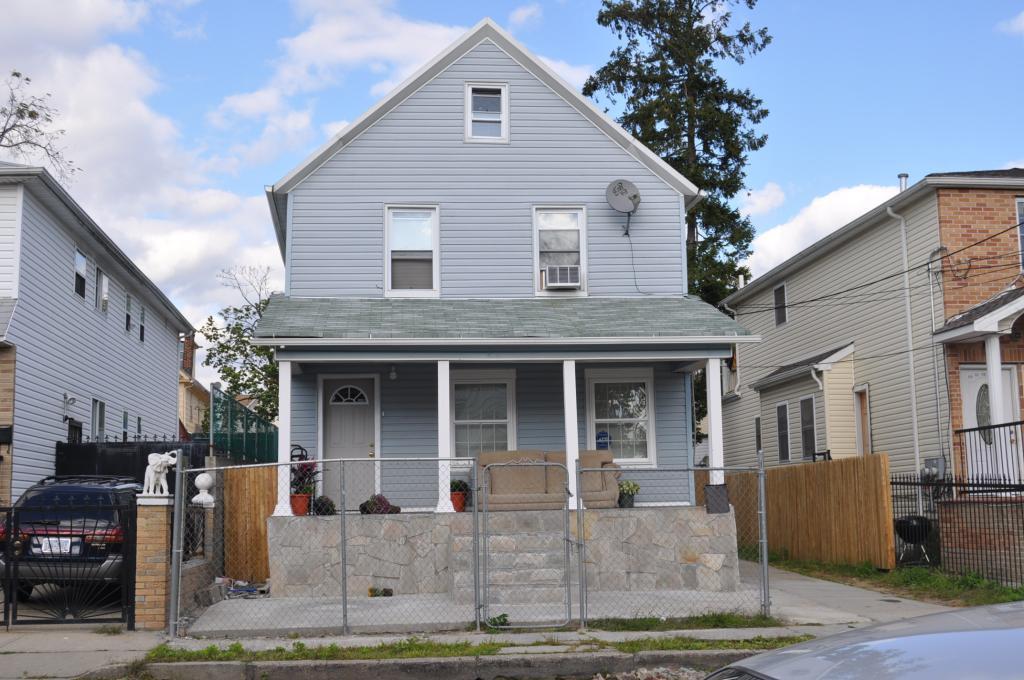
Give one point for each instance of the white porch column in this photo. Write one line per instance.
(284, 437)
(716, 455)
(572, 431)
(994, 371)
(444, 437)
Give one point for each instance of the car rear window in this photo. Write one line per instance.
(56, 504)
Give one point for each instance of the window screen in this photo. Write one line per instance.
(807, 443)
(411, 245)
(485, 112)
(782, 420)
(780, 306)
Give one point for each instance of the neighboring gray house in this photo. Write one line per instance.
(887, 335)
(456, 282)
(78, 321)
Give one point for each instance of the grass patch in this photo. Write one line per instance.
(690, 644)
(921, 583)
(653, 623)
(413, 648)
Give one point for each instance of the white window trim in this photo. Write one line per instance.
(85, 293)
(863, 448)
(101, 301)
(97, 406)
(582, 292)
(485, 377)
(789, 433)
(436, 268)
(468, 106)
(814, 424)
(365, 402)
(785, 304)
(1019, 204)
(607, 375)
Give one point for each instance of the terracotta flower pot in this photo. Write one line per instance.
(459, 501)
(300, 503)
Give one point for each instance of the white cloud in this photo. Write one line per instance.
(572, 74)
(525, 14)
(763, 200)
(820, 217)
(1014, 26)
(333, 127)
(290, 129)
(1019, 163)
(145, 187)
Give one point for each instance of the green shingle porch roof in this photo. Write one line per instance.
(349, 319)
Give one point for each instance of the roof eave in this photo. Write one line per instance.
(533, 342)
(865, 221)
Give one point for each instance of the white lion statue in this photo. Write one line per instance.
(155, 483)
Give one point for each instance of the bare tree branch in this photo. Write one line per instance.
(26, 131)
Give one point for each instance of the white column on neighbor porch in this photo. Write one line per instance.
(572, 431)
(444, 437)
(994, 370)
(716, 455)
(284, 431)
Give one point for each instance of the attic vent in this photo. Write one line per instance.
(561, 277)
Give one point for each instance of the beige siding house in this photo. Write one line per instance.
(890, 327)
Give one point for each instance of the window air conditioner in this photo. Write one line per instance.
(563, 277)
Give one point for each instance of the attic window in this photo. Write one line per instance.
(487, 112)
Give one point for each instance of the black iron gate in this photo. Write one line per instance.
(68, 563)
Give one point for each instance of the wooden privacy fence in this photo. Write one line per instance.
(837, 511)
(249, 498)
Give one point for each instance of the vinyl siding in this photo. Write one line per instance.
(409, 424)
(9, 219)
(873, 320)
(791, 393)
(65, 344)
(840, 410)
(485, 193)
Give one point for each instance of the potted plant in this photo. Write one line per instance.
(628, 489)
(303, 487)
(460, 494)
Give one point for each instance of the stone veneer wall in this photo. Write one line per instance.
(641, 549)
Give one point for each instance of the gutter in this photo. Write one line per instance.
(908, 319)
(368, 341)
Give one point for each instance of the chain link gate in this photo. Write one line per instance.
(70, 561)
(526, 562)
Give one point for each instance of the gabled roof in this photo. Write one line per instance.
(450, 321)
(485, 30)
(995, 315)
(56, 198)
(820, 361)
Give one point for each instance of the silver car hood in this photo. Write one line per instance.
(980, 642)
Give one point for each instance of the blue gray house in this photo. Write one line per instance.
(457, 283)
(88, 344)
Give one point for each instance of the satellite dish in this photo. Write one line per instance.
(623, 196)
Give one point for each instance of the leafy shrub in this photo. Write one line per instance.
(322, 505)
(378, 505)
(629, 488)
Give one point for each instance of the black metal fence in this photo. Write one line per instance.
(971, 527)
(122, 459)
(992, 452)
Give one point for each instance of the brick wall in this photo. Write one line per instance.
(976, 274)
(6, 419)
(152, 566)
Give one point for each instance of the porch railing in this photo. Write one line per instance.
(992, 453)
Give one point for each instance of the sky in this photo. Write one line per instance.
(179, 112)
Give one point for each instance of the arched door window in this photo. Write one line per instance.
(349, 395)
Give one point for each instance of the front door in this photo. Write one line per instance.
(989, 452)
(349, 424)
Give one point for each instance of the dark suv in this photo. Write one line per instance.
(69, 531)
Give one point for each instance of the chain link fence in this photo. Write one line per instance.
(508, 540)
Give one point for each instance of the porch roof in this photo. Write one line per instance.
(463, 321)
(995, 315)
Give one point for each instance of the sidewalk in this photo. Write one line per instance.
(811, 605)
(64, 651)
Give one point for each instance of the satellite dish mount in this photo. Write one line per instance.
(623, 196)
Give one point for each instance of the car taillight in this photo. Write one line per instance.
(114, 535)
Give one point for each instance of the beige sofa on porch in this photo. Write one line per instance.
(540, 487)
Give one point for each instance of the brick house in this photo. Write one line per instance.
(890, 334)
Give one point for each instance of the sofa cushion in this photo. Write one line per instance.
(506, 477)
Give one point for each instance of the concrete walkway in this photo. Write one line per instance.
(65, 651)
(70, 651)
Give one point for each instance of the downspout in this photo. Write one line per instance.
(935, 365)
(910, 334)
(814, 374)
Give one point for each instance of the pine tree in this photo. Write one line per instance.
(675, 101)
